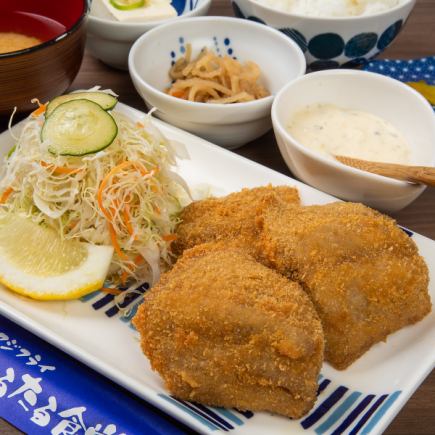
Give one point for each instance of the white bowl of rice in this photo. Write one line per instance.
(233, 118)
(332, 33)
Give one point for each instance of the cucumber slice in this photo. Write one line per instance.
(106, 101)
(79, 127)
(127, 5)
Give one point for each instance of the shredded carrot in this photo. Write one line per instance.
(111, 291)
(104, 183)
(169, 237)
(127, 221)
(124, 276)
(138, 260)
(106, 179)
(143, 170)
(40, 110)
(157, 209)
(115, 243)
(139, 125)
(110, 212)
(73, 224)
(179, 94)
(59, 169)
(6, 194)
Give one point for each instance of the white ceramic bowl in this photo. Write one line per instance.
(332, 42)
(110, 40)
(229, 125)
(387, 98)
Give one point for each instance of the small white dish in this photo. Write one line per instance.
(330, 42)
(229, 125)
(387, 98)
(110, 40)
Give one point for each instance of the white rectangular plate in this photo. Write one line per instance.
(362, 399)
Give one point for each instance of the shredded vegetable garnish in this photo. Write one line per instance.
(125, 196)
(41, 108)
(210, 78)
(5, 195)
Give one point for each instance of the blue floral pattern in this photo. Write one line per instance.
(183, 6)
(222, 47)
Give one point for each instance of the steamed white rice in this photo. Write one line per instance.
(332, 8)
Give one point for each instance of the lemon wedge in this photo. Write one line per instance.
(36, 262)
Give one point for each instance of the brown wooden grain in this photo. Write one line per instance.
(7, 429)
(416, 40)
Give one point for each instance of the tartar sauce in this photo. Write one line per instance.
(333, 130)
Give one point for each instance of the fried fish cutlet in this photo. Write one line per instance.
(223, 330)
(228, 218)
(362, 272)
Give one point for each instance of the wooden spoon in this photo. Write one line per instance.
(413, 174)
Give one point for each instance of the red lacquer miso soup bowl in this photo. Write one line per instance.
(41, 49)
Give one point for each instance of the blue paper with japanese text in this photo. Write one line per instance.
(44, 391)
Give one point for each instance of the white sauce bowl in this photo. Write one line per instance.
(229, 125)
(387, 98)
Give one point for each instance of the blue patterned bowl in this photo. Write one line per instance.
(332, 42)
(110, 41)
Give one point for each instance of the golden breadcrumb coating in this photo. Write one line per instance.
(231, 217)
(223, 330)
(362, 272)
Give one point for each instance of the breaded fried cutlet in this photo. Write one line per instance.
(362, 272)
(228, 218)
(224, 330)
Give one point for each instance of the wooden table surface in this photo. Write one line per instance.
(416, 40)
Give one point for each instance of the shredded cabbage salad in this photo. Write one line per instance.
(126, 195)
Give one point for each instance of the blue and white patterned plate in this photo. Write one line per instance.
(360, 400)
